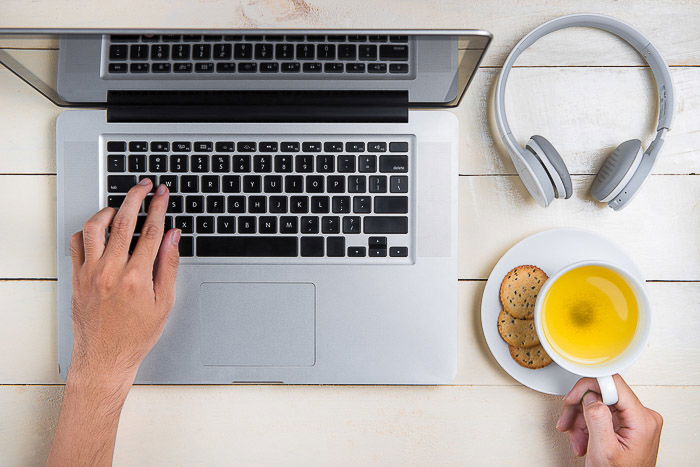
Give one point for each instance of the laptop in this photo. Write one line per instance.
(313, 175)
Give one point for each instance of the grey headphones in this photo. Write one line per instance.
(540, 166)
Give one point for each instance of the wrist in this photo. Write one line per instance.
(100, 379)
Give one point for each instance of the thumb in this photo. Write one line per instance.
(601, 434)
(167, 263)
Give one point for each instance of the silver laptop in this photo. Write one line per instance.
(313, 175)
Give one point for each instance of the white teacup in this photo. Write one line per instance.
(602, 372)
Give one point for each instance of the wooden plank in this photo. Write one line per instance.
(495, 213)
(330, 425)
(658, 229)
(28, 346)
(670, 25)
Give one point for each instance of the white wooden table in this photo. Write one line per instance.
(583, 89)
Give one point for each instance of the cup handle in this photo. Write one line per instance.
(608, 390)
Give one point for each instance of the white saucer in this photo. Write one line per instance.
(550, 250)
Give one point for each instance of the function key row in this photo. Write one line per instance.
(251, 146)
(272, 38)
(252, 67)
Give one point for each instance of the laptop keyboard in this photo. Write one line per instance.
(179, 56)
(260, 197)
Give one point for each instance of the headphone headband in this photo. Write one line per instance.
(627, 33)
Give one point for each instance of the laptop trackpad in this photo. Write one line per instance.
(258, 323)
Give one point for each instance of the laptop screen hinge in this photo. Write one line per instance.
(258, 106)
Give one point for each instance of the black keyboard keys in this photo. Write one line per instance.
(241, 246)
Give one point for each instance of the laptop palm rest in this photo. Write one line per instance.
(257, 324)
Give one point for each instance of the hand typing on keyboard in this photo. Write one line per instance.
(120, 305)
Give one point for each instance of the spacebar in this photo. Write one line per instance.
(247, 246)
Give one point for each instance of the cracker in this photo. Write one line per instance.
(532, 358)
(519, 290)
(517, 332)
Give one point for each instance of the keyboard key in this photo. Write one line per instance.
(377, 38)
(346, 163)
(314, 183)
(233, 38)
(309, 225)
(225, 146)
(158, 163)
(246, 224)
(391, 204)
(357, 251)
(399, 146)
(257, 204)
(160, 52)
(226, 67)
(283, 163)
(236, 204)
(247, 67)
(184, 223)
(333, 146)
(152, 178)
(269, 67)
(278, 204)
(205, 224)
(393, 163)
(357, 38)
(267, 146)
(325, 51)
(267, 225)
(399, 184)
(138, 146)
(361, 204)
(181, 52)
(289, 224)
(138, 52)
(351, 224)
(306, 52)
(231, 183)
(367, 164)
(341, 204)
(246, 146)
(284, 52)
(398, 38)
(273, 184)
(262, 163)
(325, 164)
(116, 146)
(117, 52)
(347, 52)
(333, 67)
(199, 163)
(171, 37)
(120, 183)
(118, 68)
(243, 51)
(354, 147)
(160, 146)
(312, 67)
(204, 67)
(330, 224)
(139, 68)
(192, 38)
(293, 183)
(241, 163)
(115, 201)
(289, 147)
(183, 68)
(304, 163)
(368, 52)
(189, 184)
(150, 38)
(398, 68)
(124, 38)
(336, 184)
(312, 246)
(252, 184)
(203, 146)
(264, 51)
(377, 252)
(215, 204)
(385, 225)
(175, 204)
(376, 242)
(320, 204)
(299, 204)
(398, 251)
(222, 51)
(376, 67)
(194, 204)
(201, 52)
(355, 67)
(311, 146)
(226, 224)
(335, 247)
(376, 147)
(393, 52)
(336, 38)
(169, 181)
(220, 163)
(240, 246)
(178, 163)
(186, 247)
(357, 184)
(116, 163)
(182, 146)
(377, 184)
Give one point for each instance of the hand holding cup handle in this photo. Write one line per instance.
(608, 390)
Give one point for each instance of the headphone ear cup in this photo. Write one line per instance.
(534, 176)
(617, 170)
(553, 164)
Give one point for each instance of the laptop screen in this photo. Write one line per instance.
(78, 68)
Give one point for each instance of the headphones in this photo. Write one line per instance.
(540, 166)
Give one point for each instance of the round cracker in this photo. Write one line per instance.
(532, 358)
(517, 332)
(519, 290)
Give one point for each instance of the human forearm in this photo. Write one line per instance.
(87, 425)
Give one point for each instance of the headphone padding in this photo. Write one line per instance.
(547, 151)
(617, 170)
(534, 177)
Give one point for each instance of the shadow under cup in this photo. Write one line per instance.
(590, 313)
